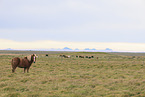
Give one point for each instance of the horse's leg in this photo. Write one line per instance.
(24, 70)
(28, 70)
(13, 69)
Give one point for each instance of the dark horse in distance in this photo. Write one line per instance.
(23, 62)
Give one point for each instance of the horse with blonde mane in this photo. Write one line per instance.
(23, 62)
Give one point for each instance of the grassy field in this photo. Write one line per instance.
(112, 75)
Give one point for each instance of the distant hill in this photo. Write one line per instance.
(90, 49)
(66, 48)
(8, 49)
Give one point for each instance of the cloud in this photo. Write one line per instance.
(73, 20)
(68, 13)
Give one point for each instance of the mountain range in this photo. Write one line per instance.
(66, 49)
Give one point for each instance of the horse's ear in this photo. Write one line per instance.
(34, 54)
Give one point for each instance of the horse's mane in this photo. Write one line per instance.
(29, 57)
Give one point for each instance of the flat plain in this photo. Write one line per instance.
(105, 75)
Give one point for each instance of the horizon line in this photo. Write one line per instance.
(49, 44)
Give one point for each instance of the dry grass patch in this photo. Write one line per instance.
(110, 75)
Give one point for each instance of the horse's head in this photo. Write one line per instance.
(34, 58)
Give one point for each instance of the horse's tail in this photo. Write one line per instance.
(12, 62)
(15, 62)
(12, 65)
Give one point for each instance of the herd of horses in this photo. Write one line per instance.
(78, 56)
(28, 60)
(89, 57)
(65, 56)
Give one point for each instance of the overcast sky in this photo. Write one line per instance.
(77, 21)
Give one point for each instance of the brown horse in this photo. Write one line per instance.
(23, 62)
(64, 56)
(81, 56)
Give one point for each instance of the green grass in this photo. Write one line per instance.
(110, 76)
